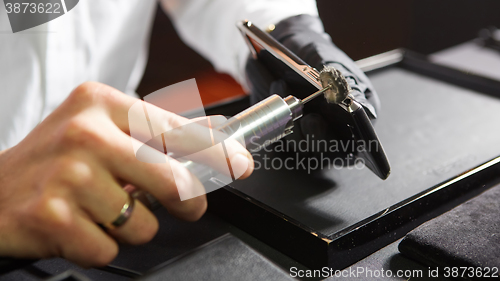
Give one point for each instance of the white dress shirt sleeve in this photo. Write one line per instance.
(209, 26)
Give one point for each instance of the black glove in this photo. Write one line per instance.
(304, 35)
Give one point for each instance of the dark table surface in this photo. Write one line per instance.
(431, 131)
(471, 57)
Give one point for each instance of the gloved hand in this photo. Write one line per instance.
(304, 35)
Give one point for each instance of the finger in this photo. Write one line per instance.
(212, 121)
(156, 179)
(168, 180)
(180, 138)
(75, 236)
(103, 201)
(140, 228)
(183, 138)
(239, 166)
(164, 130)
(190, 202)
(89, 245)
(113, 151)
(119, 107)
(57, 227)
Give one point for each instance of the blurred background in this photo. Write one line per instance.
(361, 28)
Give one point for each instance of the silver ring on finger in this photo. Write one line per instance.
(125, 214)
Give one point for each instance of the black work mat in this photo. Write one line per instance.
(433, 132)
(465, 237)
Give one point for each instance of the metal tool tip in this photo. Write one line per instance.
(339, 88)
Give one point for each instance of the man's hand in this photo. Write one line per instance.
(67, 176)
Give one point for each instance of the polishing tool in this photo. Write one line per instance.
(273, 118)
(263, 124)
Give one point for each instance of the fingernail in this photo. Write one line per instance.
(239, 165)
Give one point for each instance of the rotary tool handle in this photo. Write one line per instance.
(203, 172)
(255, 127)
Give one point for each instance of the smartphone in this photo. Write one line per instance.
(284, 64)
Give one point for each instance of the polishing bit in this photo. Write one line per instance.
(335, 86)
